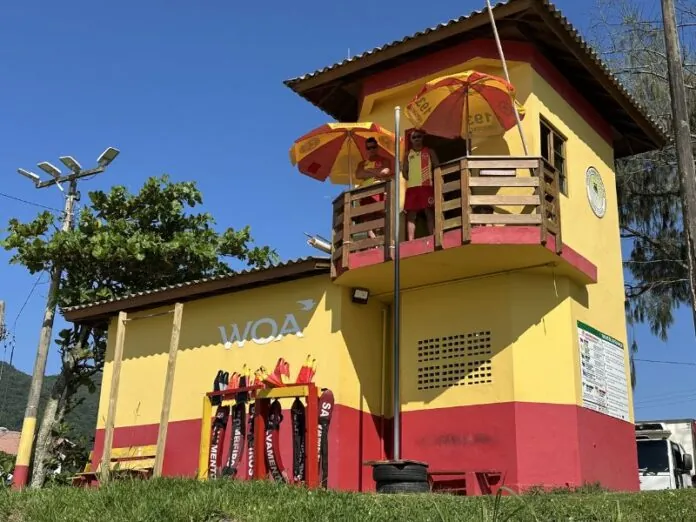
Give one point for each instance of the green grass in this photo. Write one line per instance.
(193, 501)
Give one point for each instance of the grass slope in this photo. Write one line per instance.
(193, 501)
(14, 390)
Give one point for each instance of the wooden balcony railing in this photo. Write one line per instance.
(470, 192)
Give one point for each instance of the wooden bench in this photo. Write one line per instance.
(133, 461)
(470, 483)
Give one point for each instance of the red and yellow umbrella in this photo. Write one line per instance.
(469, 104)
(334, 150)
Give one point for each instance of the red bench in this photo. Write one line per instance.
(470, 483)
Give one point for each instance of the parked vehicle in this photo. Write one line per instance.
(665, 454)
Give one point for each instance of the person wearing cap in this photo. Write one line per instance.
(374, 168)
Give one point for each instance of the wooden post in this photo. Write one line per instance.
(557, 210)
(168, 389)
(439, 214)
(347, 236)
(336, 237)
(682, 138)
(388, 220)
(541, 191)
(206, 427)
(464, 174)
(113, 395)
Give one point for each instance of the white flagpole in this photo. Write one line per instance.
(507, 75)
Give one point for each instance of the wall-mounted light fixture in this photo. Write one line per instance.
(360, 295)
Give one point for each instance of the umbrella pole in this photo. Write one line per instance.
(350, 166)
(397, 290)
(468, 124)
(507, 75)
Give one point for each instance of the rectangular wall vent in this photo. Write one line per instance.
(455, 360)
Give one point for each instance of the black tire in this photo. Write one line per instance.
(400, 473)
(403, 487)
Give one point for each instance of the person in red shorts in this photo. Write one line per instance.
(418, 172)
(374, 168)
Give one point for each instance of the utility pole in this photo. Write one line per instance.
(3, 329)
(26, 441)
(682, 140)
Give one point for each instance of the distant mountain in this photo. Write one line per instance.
(14, 391)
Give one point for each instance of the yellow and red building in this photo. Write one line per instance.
(513, 343)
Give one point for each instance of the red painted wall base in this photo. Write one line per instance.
(532, 444)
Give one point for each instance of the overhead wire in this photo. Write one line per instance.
(676, 363)
(12, 343)
(32, 203)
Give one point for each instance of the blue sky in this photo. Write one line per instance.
(196, 92)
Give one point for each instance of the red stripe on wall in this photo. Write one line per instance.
(514, 51)
(353, 439)
(530, 443)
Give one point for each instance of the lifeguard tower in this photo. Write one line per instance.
(513, 337)
(513, 352)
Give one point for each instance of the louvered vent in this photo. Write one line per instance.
(455, 360)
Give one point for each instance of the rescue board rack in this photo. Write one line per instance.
(262, 399)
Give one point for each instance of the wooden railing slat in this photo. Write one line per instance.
(504, 200)
(451, 186)
(503, 163)
(449, 224)
(505, 219)
(367, 209)
(365, 192)
(366, 243)
(367, 225)
(450, 168)
(451, 204)
(522, 181)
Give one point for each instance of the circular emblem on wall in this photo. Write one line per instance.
(596, 194)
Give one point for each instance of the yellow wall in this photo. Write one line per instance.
(531, 350)
(599, 305)
(596, 239)
(345, 338)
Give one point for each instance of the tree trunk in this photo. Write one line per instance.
(52, 416)
(56, 407)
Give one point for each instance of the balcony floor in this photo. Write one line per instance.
(492, 250)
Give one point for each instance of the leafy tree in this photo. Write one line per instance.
(121, 243)
(630, 38)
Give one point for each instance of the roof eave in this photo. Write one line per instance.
(604, 77)
(101, 311)
(397, 48)
(650, 137)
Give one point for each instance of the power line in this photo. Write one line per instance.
(33, 288)
(683, 400)
(27, 202)
(12, 343)
(676, 363)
